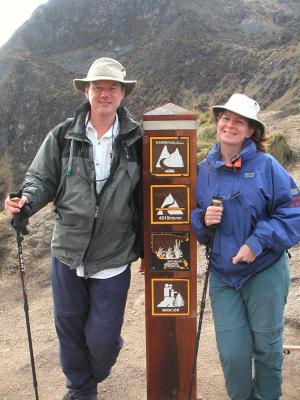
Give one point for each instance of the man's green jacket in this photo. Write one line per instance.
(99, 231)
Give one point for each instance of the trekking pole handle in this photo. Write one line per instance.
(216, 202)
(20, 220)
(15, 197)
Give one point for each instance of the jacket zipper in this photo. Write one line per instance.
(93, 231)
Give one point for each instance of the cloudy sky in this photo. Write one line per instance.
(13, 14)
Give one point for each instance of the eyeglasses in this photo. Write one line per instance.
(218, 196)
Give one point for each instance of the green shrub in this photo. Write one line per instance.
(280, 149)
(201, 155)
(207, 133)
(202, 150)
(203, 117)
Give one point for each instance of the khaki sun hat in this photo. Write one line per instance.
(106, 69)
(242, 105)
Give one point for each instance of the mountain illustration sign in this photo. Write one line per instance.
(169, 156)
(170, 204)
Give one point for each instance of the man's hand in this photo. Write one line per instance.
(14, 205)
(245, 254)
(213, 215)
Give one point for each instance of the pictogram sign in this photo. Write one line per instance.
(170, 204)
(169, 156)
(170, 297)
(170, 251)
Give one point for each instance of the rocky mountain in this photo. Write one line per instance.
(189, 52)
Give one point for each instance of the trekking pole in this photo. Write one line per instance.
(216, 202)
(19, 223)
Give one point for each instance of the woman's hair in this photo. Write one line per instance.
(259, 135)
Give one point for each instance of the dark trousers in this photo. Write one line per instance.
(88, 319)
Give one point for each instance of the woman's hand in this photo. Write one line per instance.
(245, 254)
(213, 215)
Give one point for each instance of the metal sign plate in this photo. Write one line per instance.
(170, 297)
(170, 204)
(170, 251)
(169, 156)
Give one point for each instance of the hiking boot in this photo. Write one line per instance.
(68, 396)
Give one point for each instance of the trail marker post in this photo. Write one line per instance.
(170, 263)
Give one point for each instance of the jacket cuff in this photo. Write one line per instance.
(202, 218)
(255, 245)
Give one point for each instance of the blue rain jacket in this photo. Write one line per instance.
(261, 208)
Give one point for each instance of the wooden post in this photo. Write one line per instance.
(169, 176)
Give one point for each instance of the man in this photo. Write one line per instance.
(90, 167)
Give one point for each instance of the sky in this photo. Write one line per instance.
(13, 14)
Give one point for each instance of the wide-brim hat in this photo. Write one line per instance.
(242, 105)
(106, 69)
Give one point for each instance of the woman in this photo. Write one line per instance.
(258, 221)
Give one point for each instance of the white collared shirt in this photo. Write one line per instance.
(102, 150)
(102, 153)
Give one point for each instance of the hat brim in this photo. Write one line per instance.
(80, 84)
(217, 109)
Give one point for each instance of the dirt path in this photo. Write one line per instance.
(128, 380)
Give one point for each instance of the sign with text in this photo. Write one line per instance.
(170, 204)
(170, 297)
(169, 156)
(170, 251)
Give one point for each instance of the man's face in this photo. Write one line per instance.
(105, 97)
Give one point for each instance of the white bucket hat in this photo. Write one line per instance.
(242, 105)
(105, 69)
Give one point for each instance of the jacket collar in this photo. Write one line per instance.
(247, 152)
(127, 124)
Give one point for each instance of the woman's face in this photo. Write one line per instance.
(233, 129)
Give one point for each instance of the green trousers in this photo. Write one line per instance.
(249, 332)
